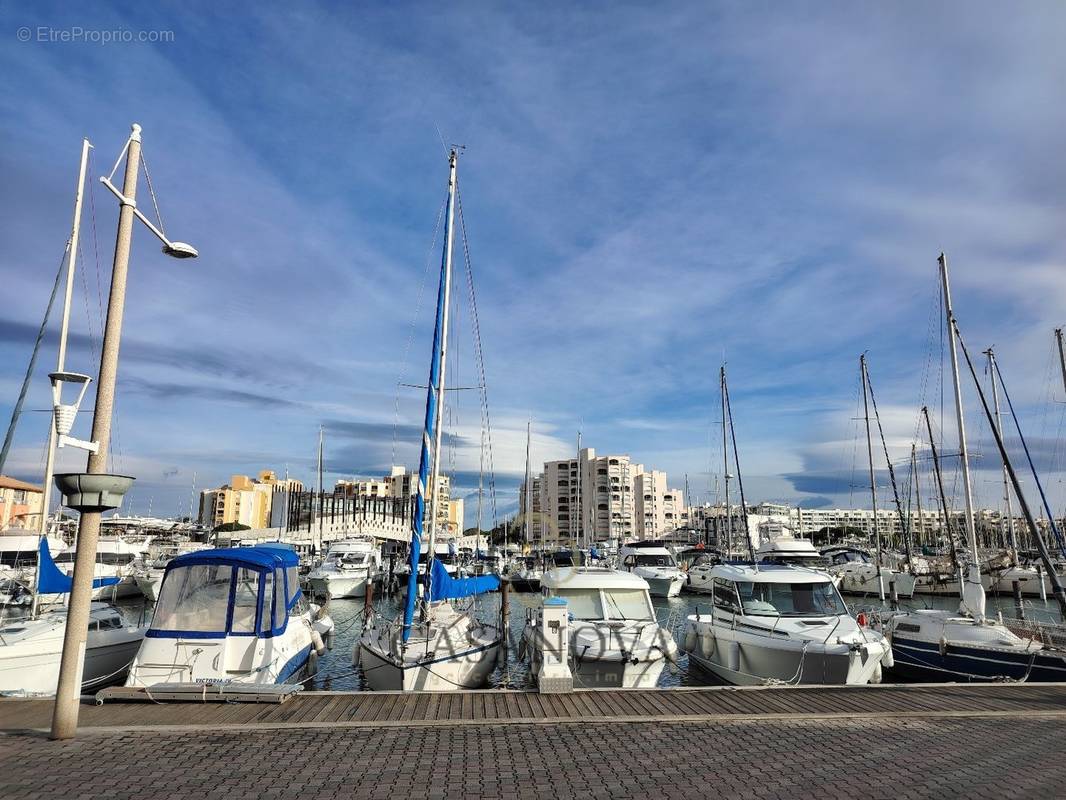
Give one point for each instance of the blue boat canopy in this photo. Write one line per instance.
(234, 591)
(443, 586)
(50, 580)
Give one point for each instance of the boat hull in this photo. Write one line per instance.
(464, 670)
(937, 662)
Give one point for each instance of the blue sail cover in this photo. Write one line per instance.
(427, 437)
(444, 587)
(51, 581)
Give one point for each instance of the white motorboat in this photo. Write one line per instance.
(19, 553)
(700, 578)
(856, 573)
(149, 578)
(772, 623)
(347, 568)
(232, 615)
(615, 640)
(31, 647)
(792, 551)
(656, 565)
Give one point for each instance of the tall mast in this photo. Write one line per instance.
(917, 494)
(447, 289)
(64, 326)
(1062, 355)
(964, 456)
(429, 462)
(529, 488)
(873, 483)
(946, 526)
(1008, 527)
(725, 468)
(321, 489)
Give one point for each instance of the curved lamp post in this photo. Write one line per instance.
(94, 490)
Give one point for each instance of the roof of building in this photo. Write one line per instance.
(15, 483)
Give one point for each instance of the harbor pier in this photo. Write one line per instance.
(887, 741)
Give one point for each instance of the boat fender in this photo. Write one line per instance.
(876, 676)
(708, 641)
(331, 637)
(690, 639)
(316, 641)
(943, 646)
(732, 656)
(888, 659)
(312, 663)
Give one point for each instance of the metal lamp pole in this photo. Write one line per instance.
(65, 714)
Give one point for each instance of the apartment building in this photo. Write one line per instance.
(601, 498)
(244, 500)
(20, 504)
(402, 485)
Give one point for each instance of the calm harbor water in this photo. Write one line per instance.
(336, 672)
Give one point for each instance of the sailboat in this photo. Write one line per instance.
(966, 645)
(30, 648)
(445, 648)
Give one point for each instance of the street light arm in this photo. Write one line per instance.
(176, 249)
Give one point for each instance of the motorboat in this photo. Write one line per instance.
(527, 577)
(778, 623)
(656, 565)
(699, 578)
(792, 551)
(149, 578)
(232, 615)
(614, 638)
(347, 568)
(19, 553)
(856, 572)
(31, 647)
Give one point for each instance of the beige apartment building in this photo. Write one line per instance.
(243, 500)
(20, 504)
(402, 485)
(600, 498)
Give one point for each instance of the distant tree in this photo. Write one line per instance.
(230, 527)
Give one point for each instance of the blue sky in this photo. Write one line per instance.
(647, 190)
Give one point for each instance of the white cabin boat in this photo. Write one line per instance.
(615, 640)
(347, 568)
(656, 565)
(856, 573)
(774, 623)
(231, 615)
(115, 558)
(149, 578)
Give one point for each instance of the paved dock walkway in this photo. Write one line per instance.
(879, 742)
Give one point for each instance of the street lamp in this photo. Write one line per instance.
(91, 495)
(65, 413)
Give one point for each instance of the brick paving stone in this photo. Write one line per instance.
(939, 759)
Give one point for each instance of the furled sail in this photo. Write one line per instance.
(51, 581)
(444, 587)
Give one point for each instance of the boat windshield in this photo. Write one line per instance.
(628, 604)
(583, 603)
(851, 557)
(790, 599)
(645, 560)
(196, 598)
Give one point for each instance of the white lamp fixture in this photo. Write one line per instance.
(66, 412)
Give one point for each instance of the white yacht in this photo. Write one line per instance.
(699, 578)
(149, 578)
(31, 647)
(656, 565)
(615, 640)
(232, 615)
(347, 568)
(792, 551)
(773, 623)
(856, 573)
(19, 552)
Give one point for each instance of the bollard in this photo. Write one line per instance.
(554, 675)
(893, 596)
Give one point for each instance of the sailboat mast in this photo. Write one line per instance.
(870, 460)
(321, 515)
(917, 496)
(964, 456)
(1008, 527)
(940, 487)
(64, 326)
(725, 468)
(446, 288)
(529, 488)
(1062, 355)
